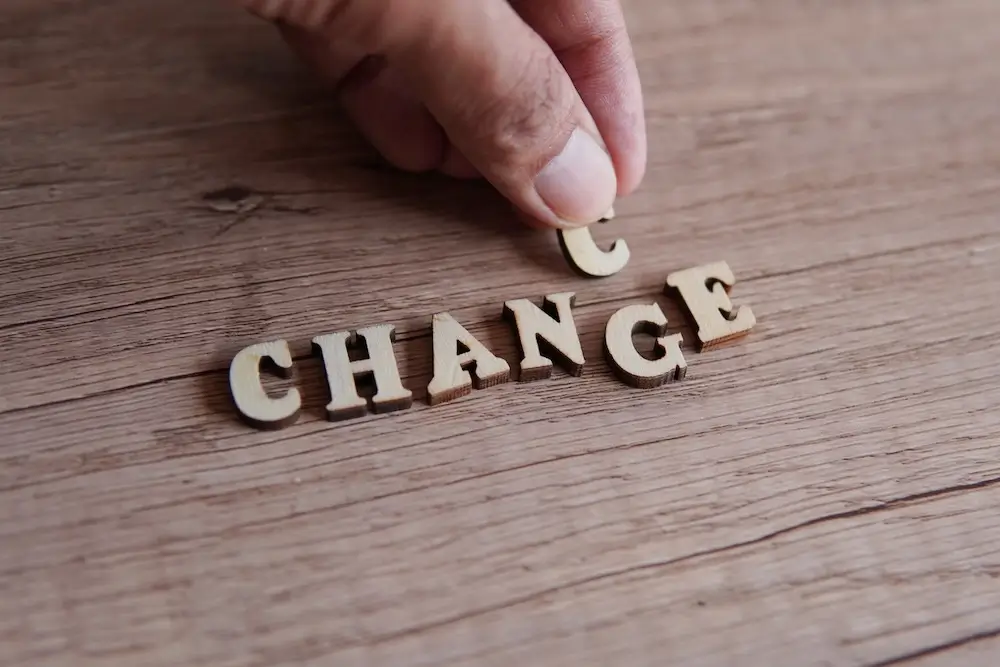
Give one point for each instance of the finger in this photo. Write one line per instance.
(457, 165)
(386, 113)
(497, 89)
(390, 116)
(591, 41)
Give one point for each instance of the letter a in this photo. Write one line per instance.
(451, 380)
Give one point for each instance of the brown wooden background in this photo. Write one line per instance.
(823, 493)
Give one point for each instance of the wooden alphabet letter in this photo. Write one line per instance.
(587, 258)
(451, 380)
(704, 291)
(552, 326)
(255, 406)
(341, 372)
(631, 367)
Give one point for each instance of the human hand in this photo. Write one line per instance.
(540, 97)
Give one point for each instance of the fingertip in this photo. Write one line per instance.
(579, 184)
(630, 155)
(621, 122)
(630, 148)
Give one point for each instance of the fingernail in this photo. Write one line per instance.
(579, 184)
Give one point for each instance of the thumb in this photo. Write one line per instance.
(493, 84)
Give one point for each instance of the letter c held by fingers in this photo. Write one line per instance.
(587, 258)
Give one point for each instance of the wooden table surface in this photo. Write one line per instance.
(174, 187)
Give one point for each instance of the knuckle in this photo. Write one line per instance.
(527, 115)
(343, 17)
(271, 10)
(612, 42)
(325, 14)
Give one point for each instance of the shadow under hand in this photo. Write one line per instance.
(308, 157)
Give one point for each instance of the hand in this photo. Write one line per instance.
(540, 97)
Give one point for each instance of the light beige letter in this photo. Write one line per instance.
(552, 326)
(704, 291)
(341, 372)
(255, 406)
(630, 366)
(451, 380)
(587, 258)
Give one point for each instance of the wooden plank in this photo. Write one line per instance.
(821, 492)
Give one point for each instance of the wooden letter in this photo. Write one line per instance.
(255, 406)
(341, 372)
(587, 258)
(552, 326)
(704, 291)
(631, 367)
(451, 380)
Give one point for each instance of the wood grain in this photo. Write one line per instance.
(173, 188)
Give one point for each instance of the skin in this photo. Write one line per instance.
(540, 97)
